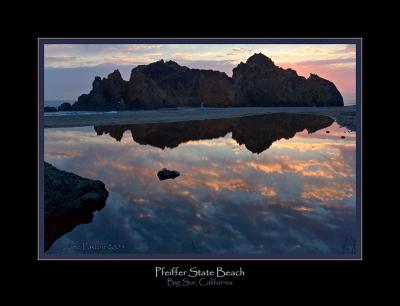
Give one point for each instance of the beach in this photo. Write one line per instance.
(345, 115)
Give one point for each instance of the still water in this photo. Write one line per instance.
(275, 184)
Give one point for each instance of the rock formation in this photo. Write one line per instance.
(258, 82)
(106, 94)
(167, 84)
(69, 200)
(65, 107)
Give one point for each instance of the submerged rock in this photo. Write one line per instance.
(165, 174)
(69, 200)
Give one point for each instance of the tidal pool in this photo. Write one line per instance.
(272, 186)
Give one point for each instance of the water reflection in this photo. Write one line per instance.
(257, 133)
(59, 226)
(297, 197)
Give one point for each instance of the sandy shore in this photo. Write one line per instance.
(345, 116)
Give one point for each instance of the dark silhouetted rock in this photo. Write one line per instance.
(65, 107)
(69, 200)
(347, 119)
(167, 84)
(50, 109)
(257, 133)
(343, 137)
(106, 94)
(258, 82)
(165, 174)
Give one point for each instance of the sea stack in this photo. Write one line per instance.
(258, 82)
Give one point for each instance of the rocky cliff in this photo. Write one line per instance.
(258, 82)
(106, 94)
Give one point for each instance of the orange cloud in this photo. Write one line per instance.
(328, 193)
(303, 209)
(267, 191)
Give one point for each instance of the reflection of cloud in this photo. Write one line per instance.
(266, 168)
(267, 191)
(61, 154)
(230, 184)
(304, 147)
(303, 209)
(328, 170)
(284, 200)
(328, 193)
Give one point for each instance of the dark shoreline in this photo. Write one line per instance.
(344, 115)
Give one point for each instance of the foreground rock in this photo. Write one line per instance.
(165, 174)
(258, 82)
(69, 200)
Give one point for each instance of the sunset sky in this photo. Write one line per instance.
(71, 68)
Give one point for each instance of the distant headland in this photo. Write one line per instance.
(257, 82)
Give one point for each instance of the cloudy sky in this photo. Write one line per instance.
(71, 68)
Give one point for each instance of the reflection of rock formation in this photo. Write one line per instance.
(257, 133)
(69, 200)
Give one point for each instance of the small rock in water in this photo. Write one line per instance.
(165, 174)
(65, 107)
(342, 137)
(327, 132)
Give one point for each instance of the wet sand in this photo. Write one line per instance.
(345, 116)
